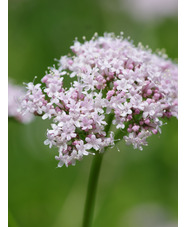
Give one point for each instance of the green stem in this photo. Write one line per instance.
(93, 181)
(11, 220)
(91, 191)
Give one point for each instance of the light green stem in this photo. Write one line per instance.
(91, 191)
(93, 181)
(11, 220)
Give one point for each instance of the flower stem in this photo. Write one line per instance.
(91, 192)
(93, 181)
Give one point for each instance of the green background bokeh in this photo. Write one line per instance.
(132, 183)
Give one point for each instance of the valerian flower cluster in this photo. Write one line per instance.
(14, 103)
(113, 81)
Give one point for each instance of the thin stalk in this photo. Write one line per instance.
(93, 181)
(91, 191)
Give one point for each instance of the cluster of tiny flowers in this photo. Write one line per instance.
(112, 81)
(14, 94)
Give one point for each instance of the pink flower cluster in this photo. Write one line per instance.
(113, 81)
(15, 92)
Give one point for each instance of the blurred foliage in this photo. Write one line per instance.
(42, 195)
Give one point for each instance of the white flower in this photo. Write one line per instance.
(93, 142)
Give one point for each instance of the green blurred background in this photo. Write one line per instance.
(136, 188)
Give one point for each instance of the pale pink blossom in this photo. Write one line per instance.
(15, 92)
(150, 10)
(115, 79)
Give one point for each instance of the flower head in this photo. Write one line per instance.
(112, 78)
(15, 93)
